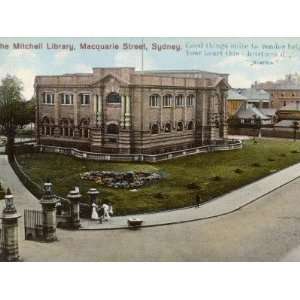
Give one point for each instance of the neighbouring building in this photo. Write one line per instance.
(234, 101)
(121, 110)
(256, 97)
(284, 91)
(290, 112)
(252, 116)
(250, 106)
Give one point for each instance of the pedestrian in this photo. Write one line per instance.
(110, 209)
(94, 212)
(100, 212)
(106, 215)
(198, 200)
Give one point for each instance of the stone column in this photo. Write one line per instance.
(56, 114)
(127, 113)
(93, 110)
(10, 231)
(75, 106)
(122, 120)
(48, 202)
(184, 109)
(74, 197)
(125, 133)
(173, 112)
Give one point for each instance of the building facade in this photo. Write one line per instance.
(121, 110)
(283, 92)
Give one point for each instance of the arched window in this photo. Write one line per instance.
(112, 129)
(190, 125)
(168, 127)
(84, 128)
(190, 100)
(154, 129)
(65, 127)
(179, 126)
(113, 98)
(154, 100)
(179, 100)
(167, 100)
(46, 126)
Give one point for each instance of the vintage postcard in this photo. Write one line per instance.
(149, 149)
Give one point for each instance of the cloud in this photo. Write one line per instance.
(61, 56)
(82, 68)
(239, 80)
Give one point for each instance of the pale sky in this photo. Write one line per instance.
(243, 70)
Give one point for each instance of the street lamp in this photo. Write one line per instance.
(93, 193)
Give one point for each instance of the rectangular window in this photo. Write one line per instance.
(179, 100)
(167, 100)
(84, 99)
(154, 101)
(66, 99)
(190, 100)
(48, 98)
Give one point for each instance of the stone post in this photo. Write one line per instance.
(48, 202)
(10, 230)
(74, 197)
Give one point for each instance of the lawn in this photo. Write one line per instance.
(209, 175)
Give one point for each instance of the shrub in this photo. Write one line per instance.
(193, 186)
(238, 171)
(159, 195)
(271, 159)
(282, 154)
(294, 151)
(217, 178)
(256, 165)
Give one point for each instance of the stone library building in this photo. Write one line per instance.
(121, 110)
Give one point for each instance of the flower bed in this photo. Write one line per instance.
(125, 180)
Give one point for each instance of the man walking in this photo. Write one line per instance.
(198, 200)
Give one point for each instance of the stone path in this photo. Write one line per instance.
(23, 198)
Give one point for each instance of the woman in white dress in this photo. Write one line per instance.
(106, 216)
(94, 212)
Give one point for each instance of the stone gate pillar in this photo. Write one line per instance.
(74, 197)
(10, 230)
(48, 202)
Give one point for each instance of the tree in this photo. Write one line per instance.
(14, 111)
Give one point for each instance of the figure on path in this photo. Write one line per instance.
(100, 211)
(198, 200)
(94, 212)
(110, 209)
(106, 215)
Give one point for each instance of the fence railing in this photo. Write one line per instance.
(228, 145)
